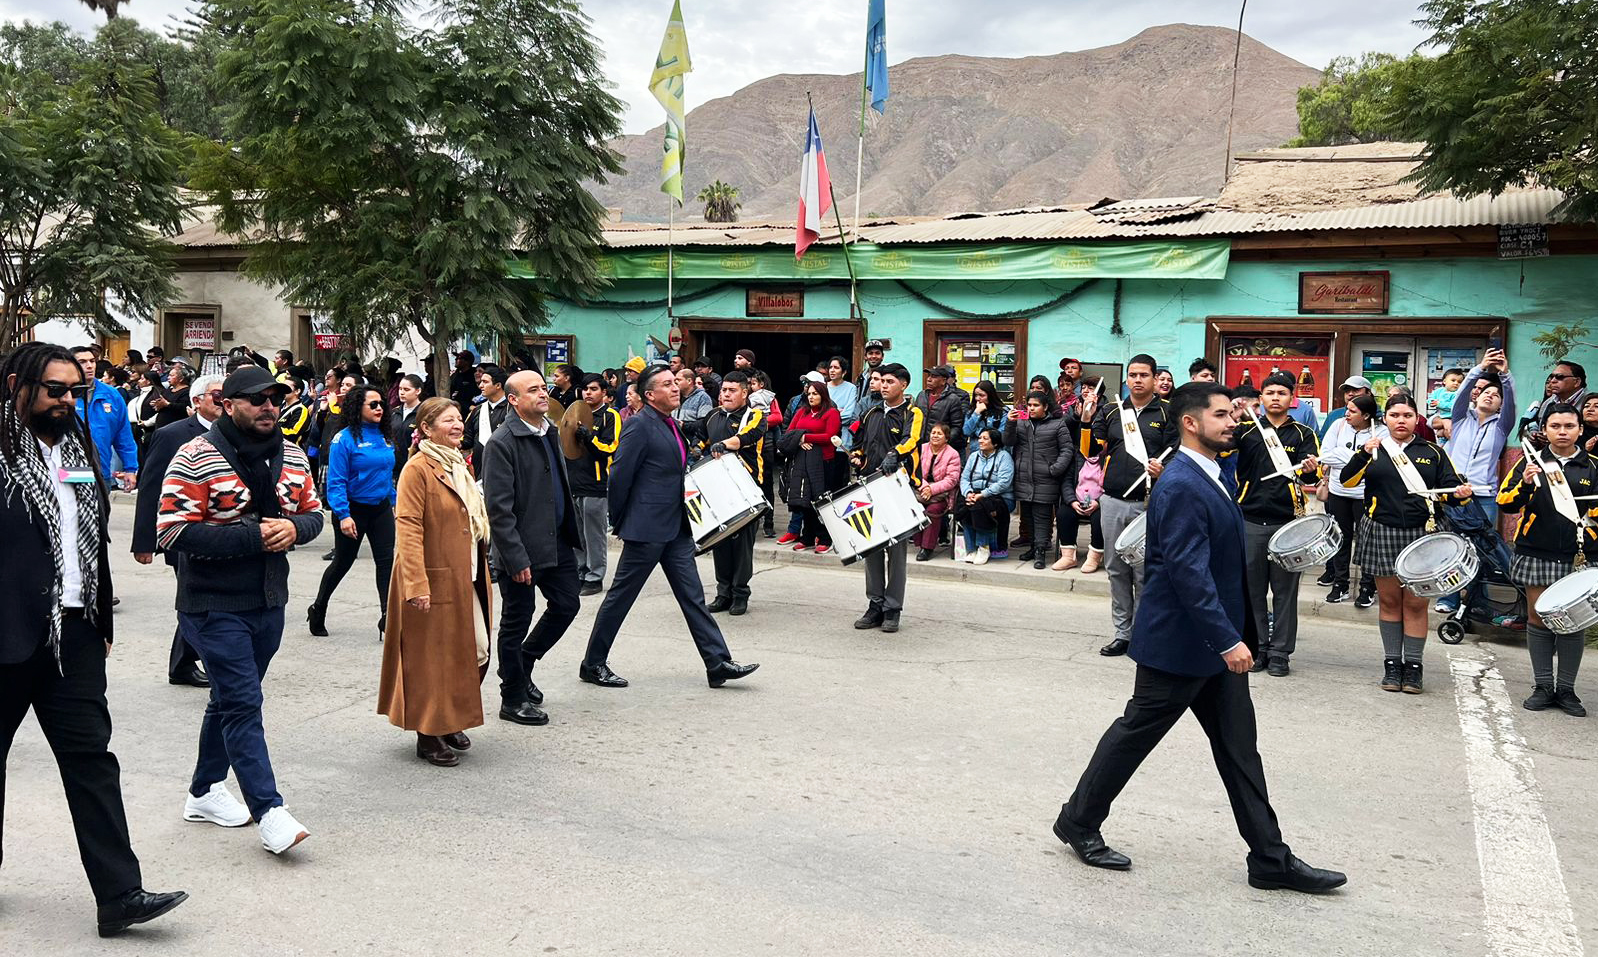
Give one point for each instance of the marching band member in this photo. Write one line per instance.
(1545, 487)
(1134, 435)
(1272, 454)
(737, 427)
(889, 438)
(1396, 470)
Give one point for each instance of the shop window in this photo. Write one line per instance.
(1247, 360)
(546, 352)
(990, 357)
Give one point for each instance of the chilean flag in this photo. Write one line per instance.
(815, 191)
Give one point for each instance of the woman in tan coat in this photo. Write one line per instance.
(435, 650)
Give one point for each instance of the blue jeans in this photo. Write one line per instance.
(236, 648)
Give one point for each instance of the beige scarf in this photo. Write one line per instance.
(460, 478)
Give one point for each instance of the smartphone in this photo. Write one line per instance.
(1495, 342)
(1022, 414)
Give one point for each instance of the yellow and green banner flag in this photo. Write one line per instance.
(666, 83)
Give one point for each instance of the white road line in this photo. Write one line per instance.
(1526, 909)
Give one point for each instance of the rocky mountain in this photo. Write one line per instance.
(1146, 117)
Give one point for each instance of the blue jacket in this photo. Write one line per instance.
(360, 468)
(976, 421)
(1476, 446)
(646, 480)
(107, 418)
(989, 474)
(1194, 603)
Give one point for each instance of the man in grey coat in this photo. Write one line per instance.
(534, 532)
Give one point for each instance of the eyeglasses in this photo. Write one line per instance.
(374, 405)
(215, 395)
(1553, 376)
(262, 398)
(56, 390)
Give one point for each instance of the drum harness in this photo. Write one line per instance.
(1564, 498)
(1280, 461)
(1132, 438)
(1411, 477)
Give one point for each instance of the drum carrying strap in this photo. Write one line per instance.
(1564, 498)
(1131, 436)
(1406, 469)
(1274, 448)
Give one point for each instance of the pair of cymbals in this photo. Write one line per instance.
(578, 415)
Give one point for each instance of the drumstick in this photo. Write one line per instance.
(1145, 476)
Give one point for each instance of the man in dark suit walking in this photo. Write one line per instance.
(183, 668)
(1194, 641)
(55, 618)
(646, 511)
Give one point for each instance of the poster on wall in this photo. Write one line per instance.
(199, 333)
(1440, 360)
(1247, 360)
(978, 359)
(1386, 370)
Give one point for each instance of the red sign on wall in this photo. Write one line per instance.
(1329, 293)
(1247, 360)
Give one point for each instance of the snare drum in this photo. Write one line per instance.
(720, 497)
(1304, 542)
(1129, 544)
(871, 514)
(1436, 565)
(1570, 605)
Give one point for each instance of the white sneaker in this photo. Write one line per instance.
(981, 557)
(216, 806)
(279, 830)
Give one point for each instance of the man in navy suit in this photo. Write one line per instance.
(646, 511)
(1194, 641)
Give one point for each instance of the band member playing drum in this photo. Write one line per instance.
(888, 438)
(1550, 489)
(1403, 475)
(1271, 456)
(736, 428)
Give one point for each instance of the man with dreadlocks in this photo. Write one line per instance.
(55, 617)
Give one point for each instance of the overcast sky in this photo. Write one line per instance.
(735, 42)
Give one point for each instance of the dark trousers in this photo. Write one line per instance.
(1040, 516)
(1346, 511)
(520, 649)
(1226, 713)
(637, 563)
(811, 529)
(734, 558)
(237, 647)
(71, 708)
(1071, 528)
(183, 655)
(372, 521)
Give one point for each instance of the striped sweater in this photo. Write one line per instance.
(206, 519)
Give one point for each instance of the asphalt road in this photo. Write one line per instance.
(862, 794)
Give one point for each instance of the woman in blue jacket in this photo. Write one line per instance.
(986, 498)
(987, 410)
(360, 493)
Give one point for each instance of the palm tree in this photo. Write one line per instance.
(109, 6)
(721, 202)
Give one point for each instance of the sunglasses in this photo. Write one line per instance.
(262, 398)
(56, 390)
(1555, 375)
(374, 405)
(215, 395)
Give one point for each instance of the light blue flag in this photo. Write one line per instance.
(877, 55)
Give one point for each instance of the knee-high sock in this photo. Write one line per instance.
(1570, 651)
(1392, 638)
(1414, 648)
(1540, 644)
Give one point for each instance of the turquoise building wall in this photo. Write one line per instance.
(1164, 318)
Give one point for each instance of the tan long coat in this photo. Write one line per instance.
(431, 682)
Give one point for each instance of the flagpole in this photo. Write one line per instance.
(860, 147)
(832, 194)
(671, 216)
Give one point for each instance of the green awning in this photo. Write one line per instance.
(1176, 259)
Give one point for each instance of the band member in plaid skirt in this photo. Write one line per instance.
(1546, 543)
(1395, 517)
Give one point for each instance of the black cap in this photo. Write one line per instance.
(946, 371)
(876, 344)
(249, 380)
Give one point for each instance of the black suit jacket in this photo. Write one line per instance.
(28, 570)
(520, 492)
(646, 481)
(158, 455)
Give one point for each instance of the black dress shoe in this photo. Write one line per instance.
(524, 713)
(1278, 668)
(458, 741)
(193, 677)
(136, 907)
(740, 606)
(871, 619)
(533, 694)
(1089, 845)
(316, 620)
(601, 675)
(890, 622)
(590, 588)
(1258, 665)
(718, 606)
(1299, 877)
(115, 602)
(728, 671)
(1115, 648)
(924, 554)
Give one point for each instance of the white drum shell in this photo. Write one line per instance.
(1435, 582)
(721, 497)
(871, 514)
(1129, 544)
(1316, 551)
(1570, 605)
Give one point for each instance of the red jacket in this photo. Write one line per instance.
(818, 429)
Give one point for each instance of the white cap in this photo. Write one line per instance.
(1356, 382)
(813, 376)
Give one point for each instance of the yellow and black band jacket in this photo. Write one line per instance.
(1542, 532)
(1265, 497)
(1387, 499)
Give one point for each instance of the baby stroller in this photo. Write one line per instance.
(1492, 599)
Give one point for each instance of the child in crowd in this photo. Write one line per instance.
(1440, 404)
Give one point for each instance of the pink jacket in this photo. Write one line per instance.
(940, 474)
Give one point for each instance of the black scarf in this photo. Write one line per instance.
(253, 456)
